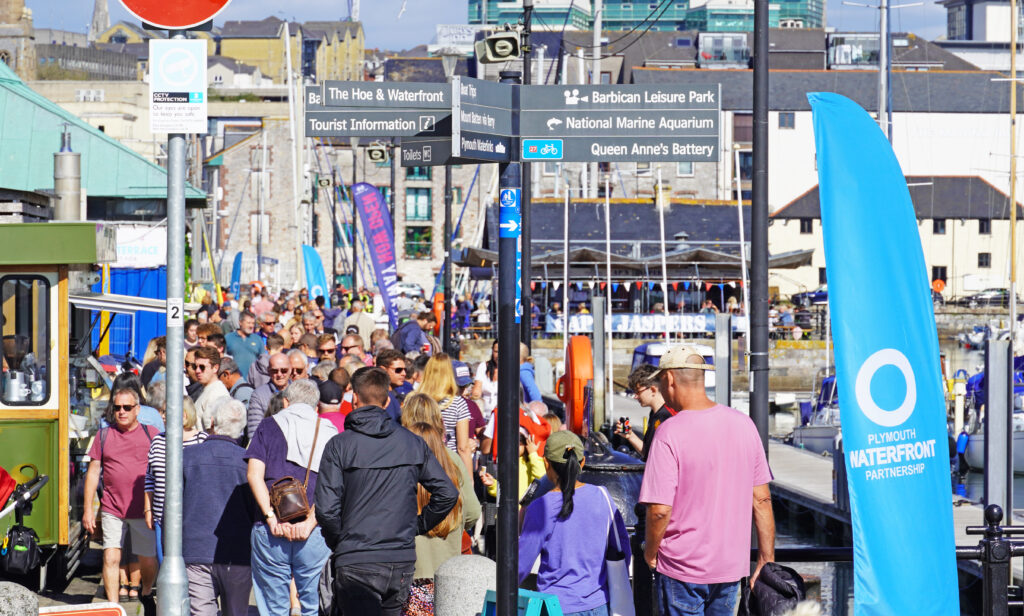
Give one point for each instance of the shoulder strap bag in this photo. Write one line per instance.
(288, 496)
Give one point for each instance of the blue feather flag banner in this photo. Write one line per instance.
(236, 275)
(887, 365)
(316, 280)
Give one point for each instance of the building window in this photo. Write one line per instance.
(643, 168)
(26, 336)
(743, 127)
(787, 119)
(218, 79)
(984, 259)
(939, 226)
(256, 230)
(457, 195)
(418, 242)
(806, 225)
(822, 276)
(985, 226)
(549, 168)
(939, 273)
(385, 191)
(417, 173)
(684, 170)
(417, 203)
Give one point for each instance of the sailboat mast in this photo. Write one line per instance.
(1013, 171)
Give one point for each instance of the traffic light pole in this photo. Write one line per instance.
(526, 324)
(508, 384)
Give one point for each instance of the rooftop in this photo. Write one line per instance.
(964, 197)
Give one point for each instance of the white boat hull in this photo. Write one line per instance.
(819, 439)
(975, 454)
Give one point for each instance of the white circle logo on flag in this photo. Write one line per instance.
(862, 389)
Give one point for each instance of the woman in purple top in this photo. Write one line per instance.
(560, 528)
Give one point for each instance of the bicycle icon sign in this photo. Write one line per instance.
(542, 149)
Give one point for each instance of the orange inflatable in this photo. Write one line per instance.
(438, 309)
(579, 372)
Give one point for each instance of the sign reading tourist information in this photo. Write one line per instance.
(620, 123)
(371, 109)
(177, 86)
(176, 15)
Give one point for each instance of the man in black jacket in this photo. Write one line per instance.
(366, 501)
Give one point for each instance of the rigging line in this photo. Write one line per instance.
(635, 28)
(642, 34)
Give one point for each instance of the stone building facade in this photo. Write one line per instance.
(17, 38)
(418, 220)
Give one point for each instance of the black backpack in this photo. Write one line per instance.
(19, 553)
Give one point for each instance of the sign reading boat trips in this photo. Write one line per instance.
(890, 392)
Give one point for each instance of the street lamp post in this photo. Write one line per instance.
(449, 59)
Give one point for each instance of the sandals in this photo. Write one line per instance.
(122, 594)
(134, 592)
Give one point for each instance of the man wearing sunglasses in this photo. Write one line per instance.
(279, 370)
(121, 452)
(207, 366)
(393, 362)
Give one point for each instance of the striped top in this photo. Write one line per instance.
(155, 470)
(452, 412)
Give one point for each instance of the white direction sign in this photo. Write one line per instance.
(177, 86)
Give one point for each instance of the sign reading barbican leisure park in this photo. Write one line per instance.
(620, 123)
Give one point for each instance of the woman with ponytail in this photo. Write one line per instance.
(563, 527)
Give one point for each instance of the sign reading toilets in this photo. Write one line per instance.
(891, 403)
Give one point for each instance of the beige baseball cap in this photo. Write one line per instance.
(676, 358)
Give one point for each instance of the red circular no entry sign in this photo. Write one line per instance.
(175, 14)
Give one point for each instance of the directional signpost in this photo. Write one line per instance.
(620, 123)
(510, 220)
(482, 120)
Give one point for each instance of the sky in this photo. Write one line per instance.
(385, 30)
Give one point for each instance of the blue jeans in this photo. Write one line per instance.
(676, 598)
(276, 561)
(601, 610)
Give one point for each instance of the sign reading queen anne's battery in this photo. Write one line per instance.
(177, 86)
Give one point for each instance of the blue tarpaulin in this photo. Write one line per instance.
(151, 283)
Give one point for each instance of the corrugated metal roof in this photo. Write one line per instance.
(912, 91)
(30, 129)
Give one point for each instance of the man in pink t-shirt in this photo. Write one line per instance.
(706, 472)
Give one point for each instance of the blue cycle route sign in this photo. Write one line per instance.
(542, 149)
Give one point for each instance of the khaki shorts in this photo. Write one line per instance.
(115, 529)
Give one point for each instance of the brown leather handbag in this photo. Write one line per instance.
(288, 496)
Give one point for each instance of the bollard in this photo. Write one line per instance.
(995, 564)
(461, 583)
(16, 600)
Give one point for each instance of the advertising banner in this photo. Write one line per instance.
(380, 240)
(887, 366)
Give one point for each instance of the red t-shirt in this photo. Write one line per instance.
(124, 459)
(337, 418)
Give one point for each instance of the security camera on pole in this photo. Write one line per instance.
(178, 104)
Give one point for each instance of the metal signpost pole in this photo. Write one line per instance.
(525, 326)
(391, 194)
(172, 580)
(355, 216)
(446, 326)
(510, 183)
(758, 318)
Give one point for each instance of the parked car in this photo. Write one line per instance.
(411, 289)
(811, 298)
(988, 297)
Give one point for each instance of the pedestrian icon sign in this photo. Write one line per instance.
(509, 197)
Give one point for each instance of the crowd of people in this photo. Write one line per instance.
(331, 466)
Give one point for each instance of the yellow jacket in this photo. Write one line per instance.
(529, 471)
